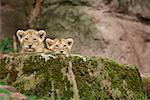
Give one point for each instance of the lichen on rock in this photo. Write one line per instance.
(73, 77)
(146, 85)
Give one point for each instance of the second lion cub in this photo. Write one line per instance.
(59, 46)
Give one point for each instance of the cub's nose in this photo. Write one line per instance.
(30, 46)
(61, 51)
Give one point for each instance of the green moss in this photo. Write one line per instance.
(50, 72)
(96, 78)
(81, 72)
(146, 84)
(124, 77)
(33, 65)
(3, 69)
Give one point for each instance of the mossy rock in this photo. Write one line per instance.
(146, 84)
(75, 77)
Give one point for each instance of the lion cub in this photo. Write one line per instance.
(59, 46)
(31, 40)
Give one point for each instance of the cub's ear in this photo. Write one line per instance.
(20, 34)
(42, 34)
(70, 41)
(49, 42)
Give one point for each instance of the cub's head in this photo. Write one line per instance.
(31, 40)
(62, 46)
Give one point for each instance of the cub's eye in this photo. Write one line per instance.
(34, 39)
(56, 45)
(65, 45)
(26, 38)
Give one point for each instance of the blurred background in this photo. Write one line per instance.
(119, 29)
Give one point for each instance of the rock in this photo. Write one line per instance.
(146, 84)
(111, 28)
(75, 77)
(100, 27)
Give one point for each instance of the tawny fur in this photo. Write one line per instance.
(31, 40)
(59, 46)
